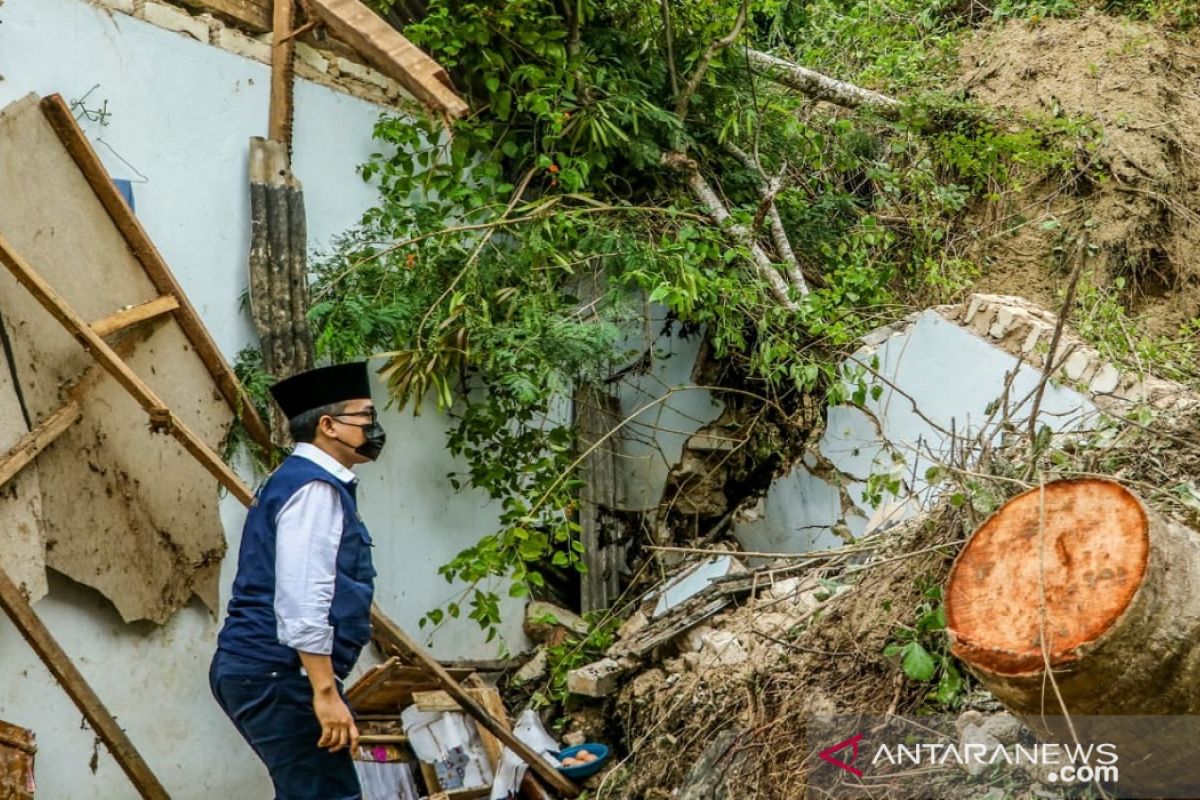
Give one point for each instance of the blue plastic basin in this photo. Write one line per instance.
(599, 750)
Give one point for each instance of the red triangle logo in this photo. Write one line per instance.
(852, 742)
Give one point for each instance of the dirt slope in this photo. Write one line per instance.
(1141, 186)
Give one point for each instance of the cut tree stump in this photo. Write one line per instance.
(1081, 577)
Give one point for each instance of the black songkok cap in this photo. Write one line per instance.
(320, 387)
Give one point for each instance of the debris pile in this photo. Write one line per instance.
(717, 667)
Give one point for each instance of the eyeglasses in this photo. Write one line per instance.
(370, 412)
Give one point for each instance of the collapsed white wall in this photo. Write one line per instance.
(665, 412)
(181, 116)
(942, 371)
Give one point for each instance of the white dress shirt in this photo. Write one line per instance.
(308, 532)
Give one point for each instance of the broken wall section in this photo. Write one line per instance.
(941, 385)
(118, 508)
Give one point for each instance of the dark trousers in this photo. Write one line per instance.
(273, 710)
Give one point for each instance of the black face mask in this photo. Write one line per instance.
(374, 439)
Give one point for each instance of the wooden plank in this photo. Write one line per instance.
(161, 417)
(77, 688)
(43, 434)
(253, 15)
(128, 317)
(474, 793)
(390, 53)
(80, 149)
(283, 53)
(435, 700)
(388, 687)
(410, 649)
(382, 738)
(492, 703)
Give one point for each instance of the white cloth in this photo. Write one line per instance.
(511, 769)
(308, 532)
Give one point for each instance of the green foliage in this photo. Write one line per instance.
(1033, 9)
(508, 251)
(924, 654)
(248, 368)
(1101, 319)
(1183, 14)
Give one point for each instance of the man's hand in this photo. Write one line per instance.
(337, 725)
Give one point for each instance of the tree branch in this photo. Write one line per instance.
(707, 197)
(681, 103)
(821, 87)
(768, 189)
(670, 36)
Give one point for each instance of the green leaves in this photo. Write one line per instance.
(922, 650)
(917, 662)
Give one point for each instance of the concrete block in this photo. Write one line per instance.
(311, 58)
(982, 322)
(351, 69)
(1035, 333)
(1106, 380)
(1002, 324)
(722, 647)
(1005, 727)
(240, 44)
(972, 308)
(631, 626)
(542, 619)
(598, 679)
(976, 741)
(775, 624)
(693, 640)
(124, 6)
(175, 19)
(1077, 364)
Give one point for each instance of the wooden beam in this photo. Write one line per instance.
(254, 15)
(69, 133)
(390, 53)
(392, 633)
(283, 54)
(128, 317)
(17, 607)
(161, 417)
(43, 434)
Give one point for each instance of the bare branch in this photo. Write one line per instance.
(681, 103)
(821, 87)
(670, 36)
(707, 197)
(768, 189)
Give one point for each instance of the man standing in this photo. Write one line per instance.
(300, 611)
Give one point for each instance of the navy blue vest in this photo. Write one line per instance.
(250, 629)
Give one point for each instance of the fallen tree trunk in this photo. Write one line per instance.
(783, 245)
(707, 197)
(821, 87)
(1074, 599)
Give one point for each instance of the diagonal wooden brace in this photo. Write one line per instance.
(161, 416)
(77, 688)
